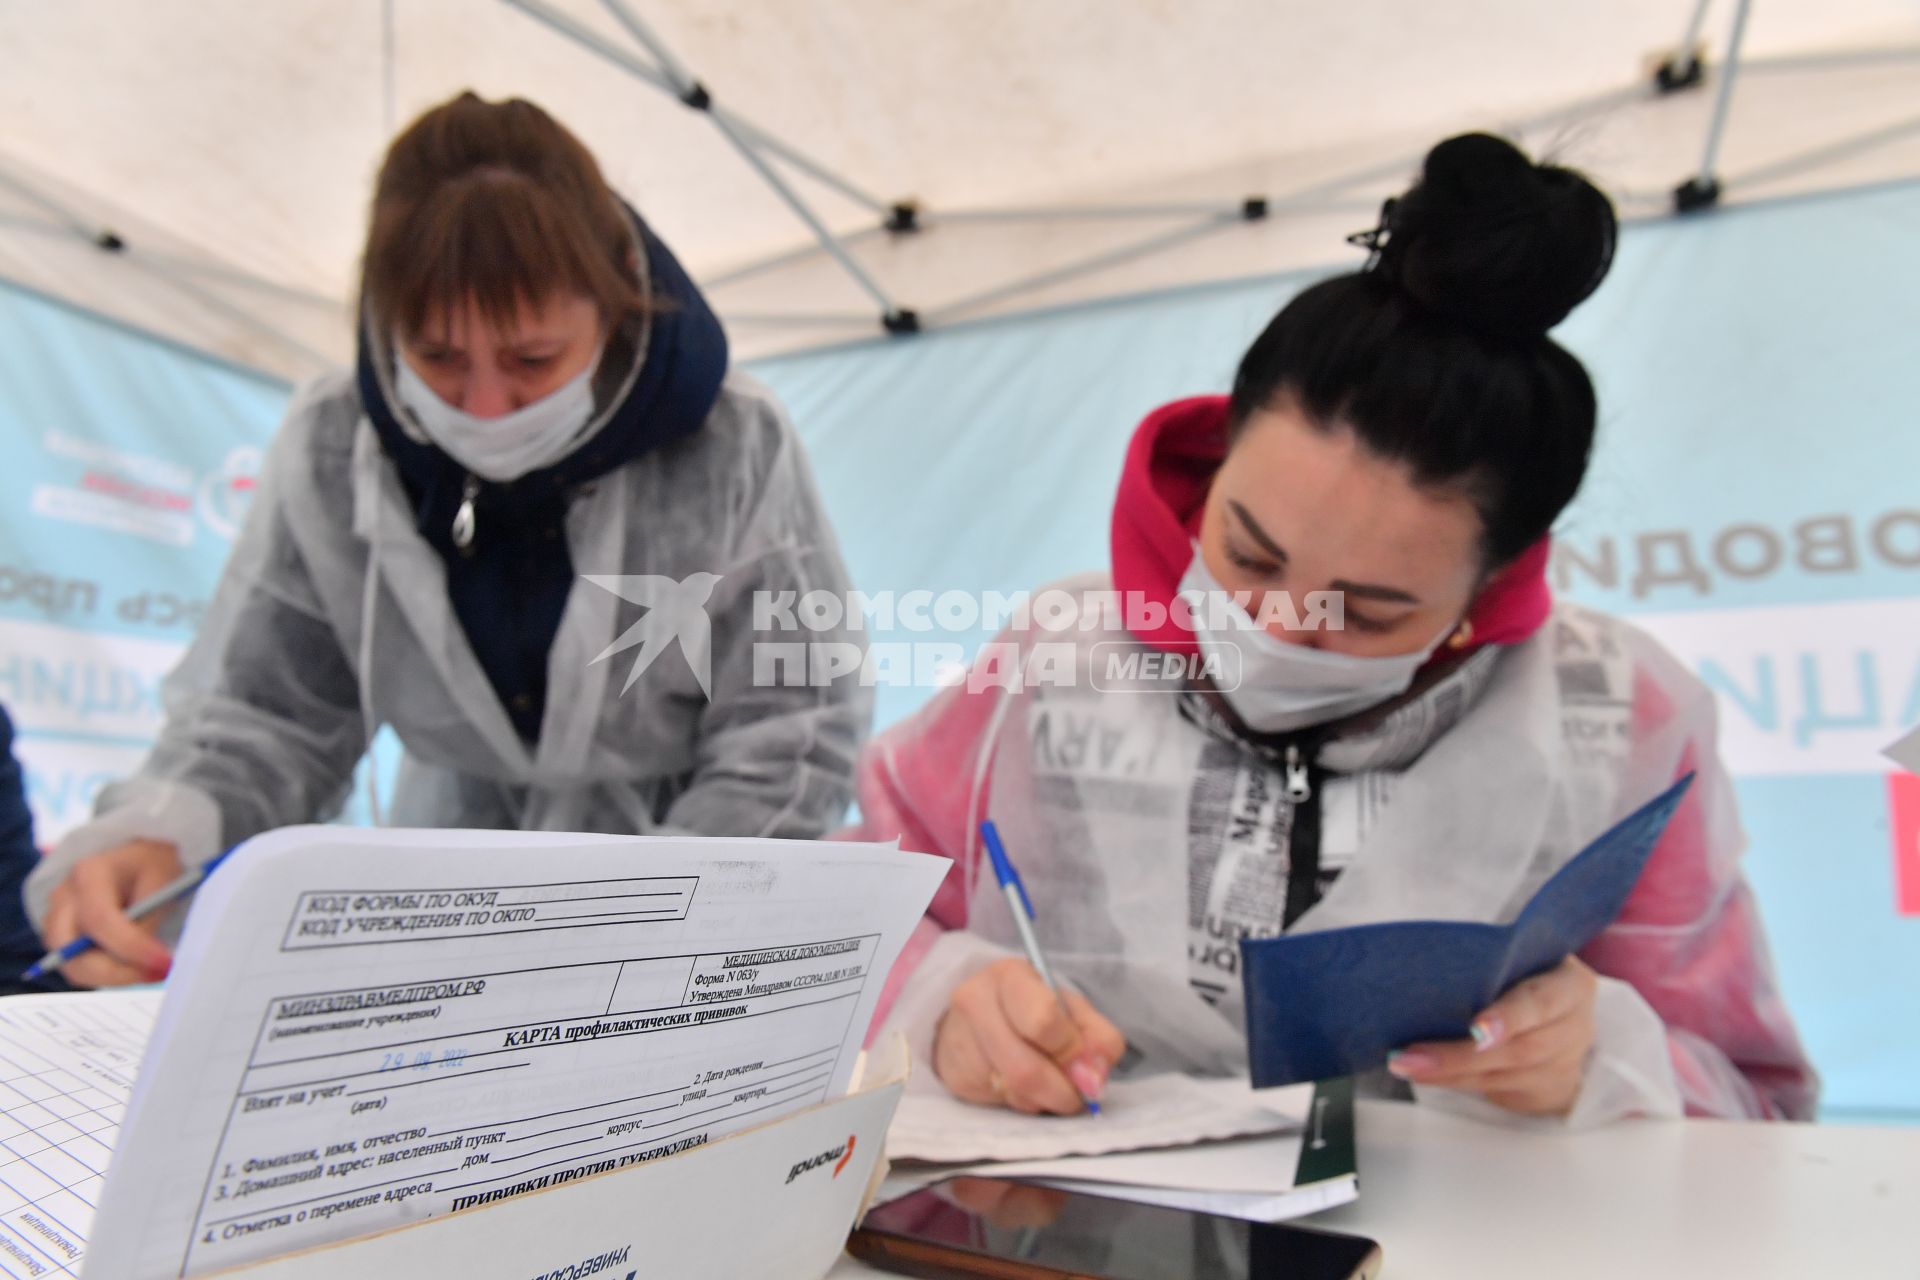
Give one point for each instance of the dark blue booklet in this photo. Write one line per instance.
(1321, 1005)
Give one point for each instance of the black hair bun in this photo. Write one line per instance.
(1494, 241)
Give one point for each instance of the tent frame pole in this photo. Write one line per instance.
(1833, 59)
(803, 163)
(173, 271)
(695, 95)
(670, 76)
(1085, 266)
(1323, 195)
(1320, 196)
(1723, 99)
(1683, 70)
(1702, 191)
(784, 258)
(231, 310)
(139, 331)
(67, 221)
(1817, 157)
(60, 213)
(1094, 212)
(566, 25)
(1690, 43)
(799, 319)
(388, 57)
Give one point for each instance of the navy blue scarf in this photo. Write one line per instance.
(509, 586)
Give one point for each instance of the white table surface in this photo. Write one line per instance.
(1453, 1199)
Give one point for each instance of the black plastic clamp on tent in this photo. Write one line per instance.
(1254, 209)
(901, 321)
(1696, 194)
(903, 218)
(1673, 75)
(697, 97)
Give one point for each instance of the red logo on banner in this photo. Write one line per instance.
(1904, 807)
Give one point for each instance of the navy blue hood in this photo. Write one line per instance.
(509, 586)
(20, 946)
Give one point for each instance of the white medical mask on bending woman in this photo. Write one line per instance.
(533, 436)
(1290, 686)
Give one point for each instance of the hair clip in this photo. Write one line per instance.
(1374, 240)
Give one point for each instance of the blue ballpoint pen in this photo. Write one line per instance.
(1022, 907)
(178, 887)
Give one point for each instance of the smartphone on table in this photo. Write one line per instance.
(999, 1229)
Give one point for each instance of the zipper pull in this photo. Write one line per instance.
(1299, 784)
(464, 521)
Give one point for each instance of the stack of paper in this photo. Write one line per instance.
(1215, 1146)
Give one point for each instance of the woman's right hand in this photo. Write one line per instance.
(1005, 1042)
(93, 900)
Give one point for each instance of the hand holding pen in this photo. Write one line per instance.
(85, 921)
(1013, 1038)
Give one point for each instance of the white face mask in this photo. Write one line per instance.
(505, 448)
(1289, 686)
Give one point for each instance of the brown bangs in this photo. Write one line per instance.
(498, 203)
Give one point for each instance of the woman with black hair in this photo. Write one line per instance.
(1399, 441)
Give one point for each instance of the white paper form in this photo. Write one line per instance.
(1166, 1148)
(1165, 1110)
(1254, 1206)
(1245, 1178)
(368, 1028)
(67, 1065)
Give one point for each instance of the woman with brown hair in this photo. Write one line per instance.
(541, 395)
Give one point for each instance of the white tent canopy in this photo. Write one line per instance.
(230, 145)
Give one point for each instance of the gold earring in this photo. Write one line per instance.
(1462, 635)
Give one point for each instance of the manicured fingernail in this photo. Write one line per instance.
(1090, 1080)
(1408, 1065)
(159, 969)
(1487, 1033)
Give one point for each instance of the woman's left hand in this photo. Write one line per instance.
(1529, 1049)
